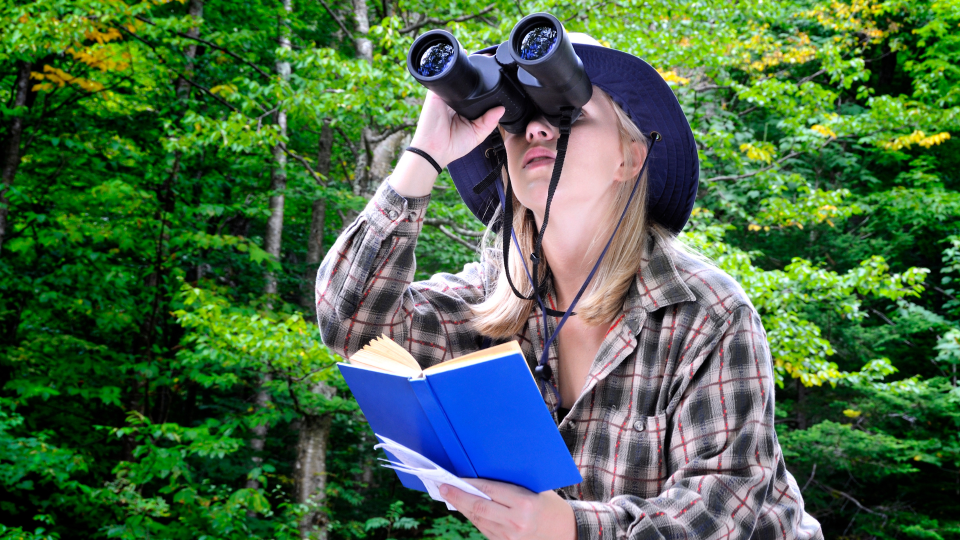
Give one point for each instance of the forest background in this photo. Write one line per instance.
(172, 173)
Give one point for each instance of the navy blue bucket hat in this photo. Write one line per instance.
(674, 167)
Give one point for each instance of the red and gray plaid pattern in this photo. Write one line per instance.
(673, 432)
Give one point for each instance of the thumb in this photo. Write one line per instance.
(489, 120)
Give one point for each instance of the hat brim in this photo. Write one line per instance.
(674, 169)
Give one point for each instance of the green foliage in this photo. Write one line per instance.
(135, 335)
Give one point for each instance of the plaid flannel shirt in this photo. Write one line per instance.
(673, 432)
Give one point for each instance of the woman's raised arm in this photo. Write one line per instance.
(364, 286)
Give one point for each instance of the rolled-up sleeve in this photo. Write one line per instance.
(721, 453)
(364, 287)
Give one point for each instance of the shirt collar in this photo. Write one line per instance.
(657, 283)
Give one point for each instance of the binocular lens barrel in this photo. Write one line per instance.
(549, 70)
(538, 42)
(535, 72)
(435, 60)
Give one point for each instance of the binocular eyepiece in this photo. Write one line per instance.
(535, 72)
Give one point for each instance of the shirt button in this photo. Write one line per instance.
(392, 214)
(572, 424)
(639, 425)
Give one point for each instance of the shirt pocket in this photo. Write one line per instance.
(636, 455)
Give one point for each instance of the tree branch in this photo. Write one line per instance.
(316, 176)
(812, 474)
(192, 83)
(337, 19)
(907, 341)
(189, 81)
(709, 87)
(441, 22)
(383, 136)
(453, 225)
(835, 491)
(226, 51)
(209, 44)
(945, 293)
(450, 234)
(293, 397)
(596, 5)
(350, 146)
(811, 77)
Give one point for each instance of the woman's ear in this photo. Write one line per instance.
(632, 162)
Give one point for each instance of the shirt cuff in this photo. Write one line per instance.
(390, 213)
(595, 520)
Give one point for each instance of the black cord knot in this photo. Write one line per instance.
(543, 372)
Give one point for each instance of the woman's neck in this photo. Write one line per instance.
(571, 252)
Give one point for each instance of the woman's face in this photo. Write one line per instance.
(592, 169)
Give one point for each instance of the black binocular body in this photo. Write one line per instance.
(535, 72)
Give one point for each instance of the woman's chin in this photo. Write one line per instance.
(533, 195)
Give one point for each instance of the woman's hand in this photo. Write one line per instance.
(446, 136)
(514, 513)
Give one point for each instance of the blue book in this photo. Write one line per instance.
(477, 416)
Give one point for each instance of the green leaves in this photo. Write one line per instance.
(133, 330)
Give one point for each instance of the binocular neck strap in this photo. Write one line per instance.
(506, 200)
(543, 371)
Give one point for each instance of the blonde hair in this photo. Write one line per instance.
(502, 314)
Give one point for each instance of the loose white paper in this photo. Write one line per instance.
(431, 474)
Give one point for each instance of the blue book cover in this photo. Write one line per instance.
(478, 416)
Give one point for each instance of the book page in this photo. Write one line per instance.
(383, 354)
(431, 474)
(503, 349)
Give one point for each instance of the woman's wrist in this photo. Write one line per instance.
(413, 176)
(436, 149)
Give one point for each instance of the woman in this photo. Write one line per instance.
(663, 376)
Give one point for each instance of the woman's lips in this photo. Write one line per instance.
(539, 162)
(538, 156)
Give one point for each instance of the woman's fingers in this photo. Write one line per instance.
(508, 495)
(475, 508)
(445, 135)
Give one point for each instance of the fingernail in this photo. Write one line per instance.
(444, 490)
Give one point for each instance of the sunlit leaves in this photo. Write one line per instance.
(798, 349)
(917, 137)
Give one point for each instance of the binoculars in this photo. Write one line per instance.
(535, 72)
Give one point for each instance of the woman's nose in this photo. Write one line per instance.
(540, 129)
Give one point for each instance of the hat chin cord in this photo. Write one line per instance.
(543, 372)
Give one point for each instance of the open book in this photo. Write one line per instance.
(477, 416)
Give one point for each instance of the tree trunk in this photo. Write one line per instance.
(376, 150)
(274, 232)
(801, 406)
(374, 164)
(310, 470)
(361, 20)
(278, 177)
(375, 161)
(258, 441)
(183, 87)
(319, 215)
(11, 145)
